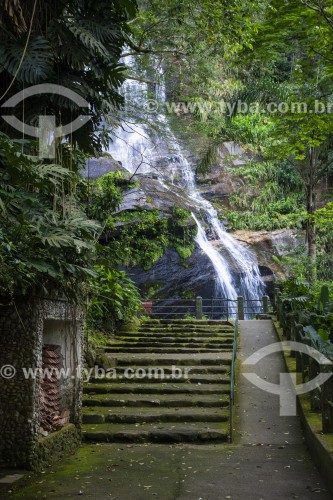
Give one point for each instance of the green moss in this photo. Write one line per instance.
(83, 462)
(183, 252)
(55, 446)
(147, 235)
(130, 326)
(151, 289)
(104, 361)
(97, 339)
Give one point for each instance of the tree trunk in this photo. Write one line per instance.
(312, 250)
(310, 228)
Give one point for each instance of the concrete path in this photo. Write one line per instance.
(268, 461)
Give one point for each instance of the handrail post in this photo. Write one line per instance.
(279, 307)
(275, 297)
(327, 399)
(265, 300)
(198, 308)
(232, 379)
(240, 307)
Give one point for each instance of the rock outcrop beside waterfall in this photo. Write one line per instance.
(150, 193)
(172, 276)
(221, 182)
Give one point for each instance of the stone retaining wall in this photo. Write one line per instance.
(22, 330)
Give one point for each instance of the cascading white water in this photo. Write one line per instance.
(135, 146)
(226, 288)
(244, 262)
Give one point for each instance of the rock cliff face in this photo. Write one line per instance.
(220, 182)
(96, 167)
(172, 276)
(265, 244)
(149, 195)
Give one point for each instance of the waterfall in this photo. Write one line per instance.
(137, 145)
(225, 286)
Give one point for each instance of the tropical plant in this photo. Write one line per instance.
(114, 298)
(141, 237)
(293, 45)
(46, 239)
(74, 44)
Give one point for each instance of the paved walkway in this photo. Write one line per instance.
(268, 461)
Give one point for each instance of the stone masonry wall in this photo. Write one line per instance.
(21, 340)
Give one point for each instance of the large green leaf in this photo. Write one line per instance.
(37, 63)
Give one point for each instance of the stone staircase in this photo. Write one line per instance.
(170, 382)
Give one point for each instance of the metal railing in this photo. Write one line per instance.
(217, 308)
(253, 307)
(232, 380)
(176, 309)
(321, 398)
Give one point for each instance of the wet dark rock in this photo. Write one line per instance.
(153, 195)
(96, 167)
(265, 244)
(221, 182)
(176, 278)
(173, 277)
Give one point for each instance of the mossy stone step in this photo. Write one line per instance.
(157, 388)
(185, 325)
(204, 359)
(180, 344)
(172, 432)
(180, 329)
(150, 403)
(187, 322)
(146, 320)
(129, 415)
(165, 350)
(157, 400)
(174, 340)
(170, 369)
(155, 376)
(180, 322)
(175, 334)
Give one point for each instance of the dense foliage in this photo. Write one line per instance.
(46, 239)
(70, 235)
(142, 237)
(273, 60)
(273, 198)
(49, 230)
(75, 44)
